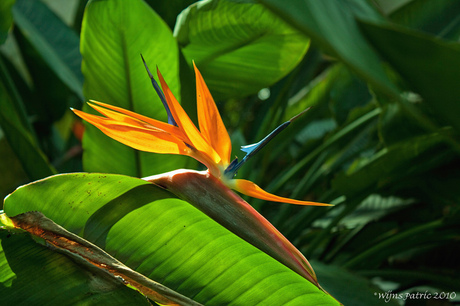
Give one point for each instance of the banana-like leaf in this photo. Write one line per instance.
(53, 39)
(238, 47)
(6, 18)
(439, 18)
(217, 201)
(93, 258)
(18, 131)
(165, 239)
(428, 64)
(331, 24)
(111, 43)
(32, 274)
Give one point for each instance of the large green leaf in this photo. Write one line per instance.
(6, 18)
(53, 39)
(31, 274)
(90, 257)
(166, 239)
(111, 43)
(428, 64)
(239, 47)
(18, 132)
(331, 24)
(439, 17)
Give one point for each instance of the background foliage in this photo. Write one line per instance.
(381, 141)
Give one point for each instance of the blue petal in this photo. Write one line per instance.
(249, 148)
(252, 149)
(256, 147)
(161, 95)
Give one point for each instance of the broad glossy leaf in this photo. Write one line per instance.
(90, 257)
(331, 25)
(166, 239)
(439, 17)
(217, 201)
(32, 274)
(429, 66)
(53, 39)
(238, 47)
(114, 34)
(6, 18)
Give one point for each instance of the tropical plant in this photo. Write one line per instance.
(380, 143)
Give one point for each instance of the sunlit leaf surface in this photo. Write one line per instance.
(111, 43)
(166, 239)
(239, 47)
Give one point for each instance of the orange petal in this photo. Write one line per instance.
(187, 126)
(211, 126)
(252, 190)
(140, 138)
(116, 116)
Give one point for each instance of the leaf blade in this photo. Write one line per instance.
(54, 40)
(238, 47)
(183, 249)
(332, 25)
(114, 74)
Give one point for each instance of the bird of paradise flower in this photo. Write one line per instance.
(211, 146)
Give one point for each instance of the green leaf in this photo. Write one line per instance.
(238, 47)
(111, 43)
(33, 274)
(439, 18)
(54, 40)
(11, 169)
(344, 285)
(168, 10)
(165, 239)
(331, 25)
(429, 65)
(216, 200)
(18, 131)
(49, 96)
(395, 124)
(6, 18)
(91, 257)
(391, 164)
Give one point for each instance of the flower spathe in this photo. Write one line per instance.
(210, 145)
